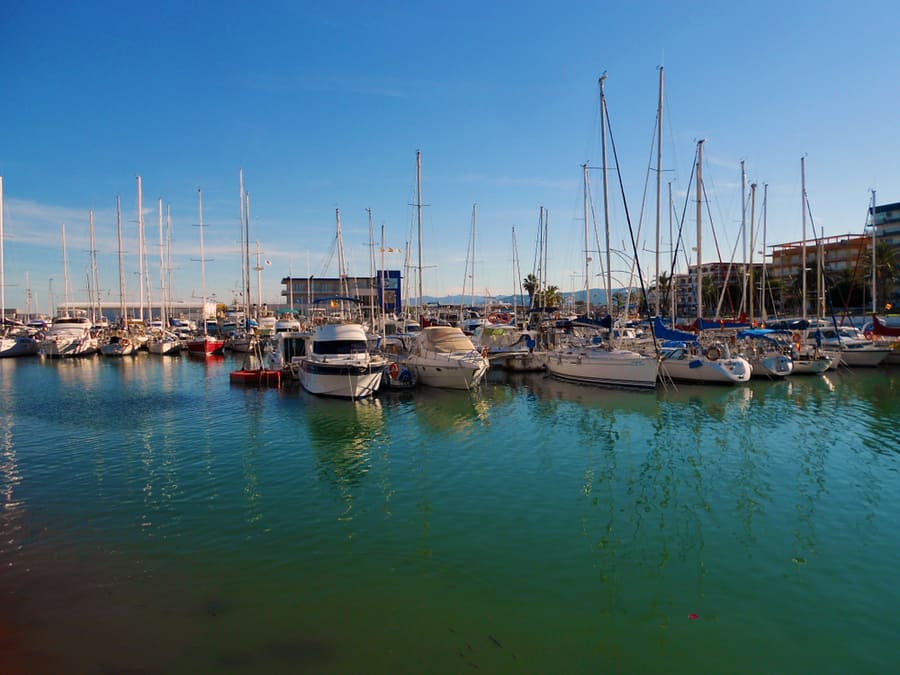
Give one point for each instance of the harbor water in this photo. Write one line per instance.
(157, 519)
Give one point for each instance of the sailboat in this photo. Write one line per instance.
(442, 356)
(119, 344)
(683, 357)
(601, 363)
(10, 344)
(204, 344)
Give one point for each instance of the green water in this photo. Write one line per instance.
(157, 519)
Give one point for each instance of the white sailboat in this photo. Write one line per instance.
(601, 364)
(163, 341)
(683, 358)
(203, 344)
(118, 343)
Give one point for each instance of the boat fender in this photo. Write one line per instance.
(713, 353)
(394, 370)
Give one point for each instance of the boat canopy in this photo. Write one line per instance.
(664, 333)
(446, 339)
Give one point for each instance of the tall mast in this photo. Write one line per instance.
(474, 226)
(605, 194)
(123, 310)
(247, 261)
(95, 278)
(744, 233)
(762, 284)
(874, 232)
(244, 282)
(587, 249)
(169, 286)
(803, 242)
(752, 244)
(371, 271)
(65, 269)
(419, 221)
(659, 125)
(140, 209)
(699, 272)
(342, 274)
(258, 269)
(381, 285)
(162, 270)
(202, 262)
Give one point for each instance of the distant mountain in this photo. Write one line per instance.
(598, 297)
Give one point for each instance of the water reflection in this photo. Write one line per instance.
(342, 435)
(440, 411)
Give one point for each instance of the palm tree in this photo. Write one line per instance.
(664, 290)
(552, 296)
(530, 284)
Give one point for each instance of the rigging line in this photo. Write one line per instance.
(679, 244)
(647, 176)
(634, 248)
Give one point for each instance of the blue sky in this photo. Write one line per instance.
(324, 106)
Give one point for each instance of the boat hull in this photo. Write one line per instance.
(340, 380)
(620, 369)
(20, 346)
(206, 347)
(256, 378)
(449, 372)
(687, 368)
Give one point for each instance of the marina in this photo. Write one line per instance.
(159, 519)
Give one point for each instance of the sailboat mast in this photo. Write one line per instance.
(874, 278)
(587, 249)
(752, 244)
(247, 261)
(762, 284)
(803, 242)
(381, 285)
(474, 226)
(95, 279)
(162, 269)
(659, 128)
(140, 209)
(699, 273)
(258, 282)
(342, 274)
(419, 221)
(169, 253)
(65, 269)
(123, 310)
(605, 193)
(371, 270)
(744, 233)
(202, 262)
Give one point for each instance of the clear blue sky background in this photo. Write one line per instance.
(324, 105)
